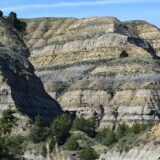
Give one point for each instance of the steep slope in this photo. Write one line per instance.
(82, 65)
(22, 91)
(146, 31)
(11, 38)
(80, 40)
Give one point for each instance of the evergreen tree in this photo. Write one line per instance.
(88, 153)
(60, 128)
(7, 122)
(38, 133)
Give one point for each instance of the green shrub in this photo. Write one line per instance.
(128, 142)
(72, 144)
(38, 133)
(3, 149)
(7, 122)
(106, 136)
(84, 125)
(5, 153)
(123, 136)
(138, 128)
(44, 150)
(148, 125)
(60, 128)
(11, 142)
(123, 54)
(121, 130)
(88, 153)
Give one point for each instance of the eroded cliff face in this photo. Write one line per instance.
(146, 31)
(67, 41)
(22, 91)
(148, 149)
(11, 38)
(80, 63)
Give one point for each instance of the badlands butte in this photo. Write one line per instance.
(96, 66)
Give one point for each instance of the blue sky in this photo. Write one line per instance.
(148, 10)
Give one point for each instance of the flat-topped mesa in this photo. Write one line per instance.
(22, 91)
(100, 25)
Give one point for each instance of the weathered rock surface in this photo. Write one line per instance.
(22, 91)
(11, 38)
(146, 31)
(66, 41)
(79, 62)
(143, 152)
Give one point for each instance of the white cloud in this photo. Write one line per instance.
(74, 4)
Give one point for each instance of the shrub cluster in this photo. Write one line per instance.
(85, 125)
(11, 146)
(106, 136)
(59, 133)
(7, 121)
(59, 130)
(38, 133)
(124, 54)
(72, 144)
(88, 153)
(122, 133)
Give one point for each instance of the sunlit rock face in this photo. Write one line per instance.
(146, 31)
(80, 63)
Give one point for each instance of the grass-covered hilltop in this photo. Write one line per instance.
(79, 89)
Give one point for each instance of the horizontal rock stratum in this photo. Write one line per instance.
(80, 63)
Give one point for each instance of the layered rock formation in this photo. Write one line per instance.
(146, 31)
(81, 64)
(146, 150)
(94, 67)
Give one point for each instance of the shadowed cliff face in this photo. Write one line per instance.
(24, 88)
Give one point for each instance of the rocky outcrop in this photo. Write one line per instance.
(142, 152)
(66, 41)
(11, 38)
(80, 63)
(22, 91)
(148, 148)
(146, 31)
